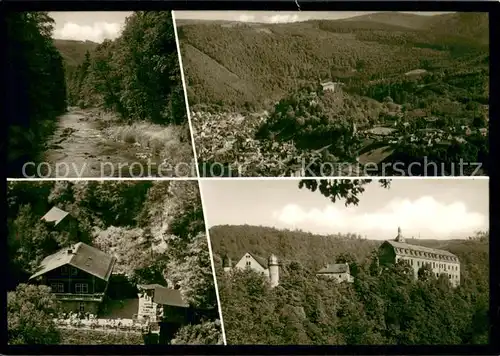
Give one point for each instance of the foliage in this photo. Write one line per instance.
(251, 66)
(99, 337)
(208, 333)
(384, 306)
(335, 189)
(137, 75)
(155, 230)
(29, 314)
(392, 75)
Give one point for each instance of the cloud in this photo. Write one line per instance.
(424, 215)
(97, 32)
(278, 18)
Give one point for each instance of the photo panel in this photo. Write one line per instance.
(96, 94)
(327, 94)
(109, 263)
(351, 262)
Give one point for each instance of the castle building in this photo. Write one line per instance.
(339, 271)
(440, 261)
(268, 267)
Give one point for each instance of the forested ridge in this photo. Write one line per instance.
(382, 306)
(248, 65)
(134, 80)
(155, 229)
(425, 78)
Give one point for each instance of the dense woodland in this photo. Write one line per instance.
(156, 230)
(35, 84)
(135, 78)
(137, 75)
(269, 75)
(382, 306)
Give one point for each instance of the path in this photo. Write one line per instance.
(80, 148)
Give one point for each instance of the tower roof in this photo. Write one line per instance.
(400, 237)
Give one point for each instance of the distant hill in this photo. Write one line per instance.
(73, 52)
(314, 251)
(253, 65)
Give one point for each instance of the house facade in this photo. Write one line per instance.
(267, 267)
(440, 261)
(78, 276)
(161, 304)
(339, 272)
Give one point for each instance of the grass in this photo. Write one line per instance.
(171, 143)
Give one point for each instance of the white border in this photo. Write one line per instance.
(213, 265)
(188, 112)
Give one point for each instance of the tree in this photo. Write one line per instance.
(336, 189)
(30, 313)
(425, 273)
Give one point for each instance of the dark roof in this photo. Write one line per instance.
(166, 296)
(82, 256)
(260, 260)
(405, 246)
(55, 215)
(335, 268)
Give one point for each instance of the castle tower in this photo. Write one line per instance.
(274, 272)
(227, 264)
(400, 237)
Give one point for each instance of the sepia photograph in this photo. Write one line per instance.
(351, 94)
(95, 94)
(351, 262)
(109, 263)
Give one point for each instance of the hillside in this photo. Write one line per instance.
(73, 52)
(314, 251)
(381, 306)
(257, 64)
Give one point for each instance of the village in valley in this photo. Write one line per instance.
(360, 91)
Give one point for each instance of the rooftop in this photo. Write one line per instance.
(55, 215)
(165, 296)
(82, 256)
(335, 268)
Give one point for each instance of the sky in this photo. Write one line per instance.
(423, 208)
(97, 26)
(276, 16)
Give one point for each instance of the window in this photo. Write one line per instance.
(81, 288)
(82, 307)
(433, 264)
(418, 263)
(248, 263)
(74, 271)
(57, 287)
(437, 275)
(64, 270)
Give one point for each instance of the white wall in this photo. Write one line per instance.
(253, 264)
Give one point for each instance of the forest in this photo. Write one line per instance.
(382, 306)
(257, 85)
(132, 85)
(155, 229)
